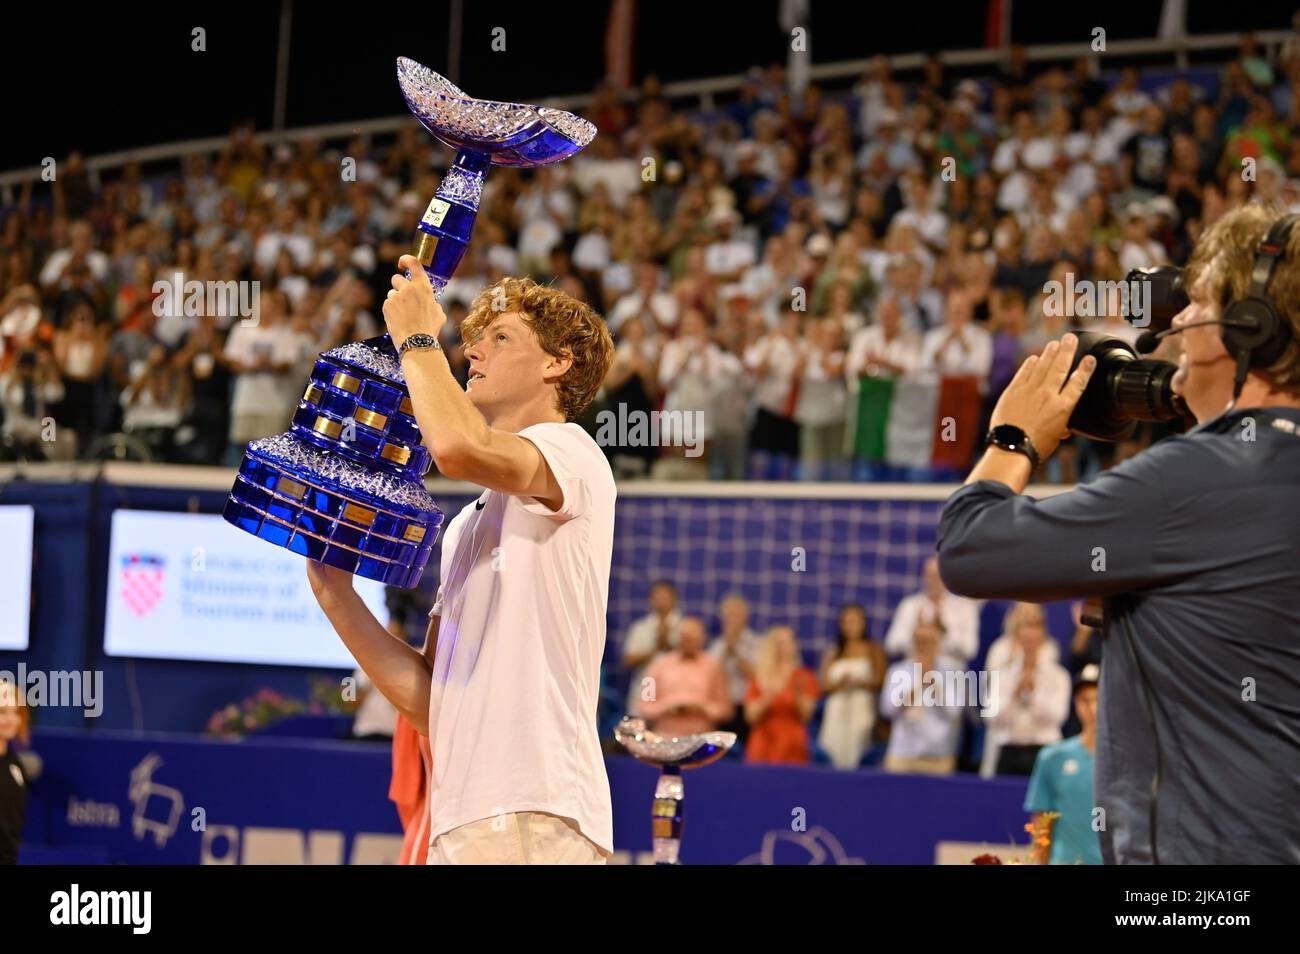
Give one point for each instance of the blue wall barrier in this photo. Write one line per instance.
(797, 559)
(172, 799)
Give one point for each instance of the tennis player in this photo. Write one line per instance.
(508, 683)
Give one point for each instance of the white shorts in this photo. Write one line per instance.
(519, 838)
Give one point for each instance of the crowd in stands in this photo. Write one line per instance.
(765, 265)
(913, 702)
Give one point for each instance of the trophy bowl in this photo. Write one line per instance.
(483, 133)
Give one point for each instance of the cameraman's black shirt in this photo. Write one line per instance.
(1195, 544)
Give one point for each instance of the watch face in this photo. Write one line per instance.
(420, 341)
(1007, 434)
(1012, 438)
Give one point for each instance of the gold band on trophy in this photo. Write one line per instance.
(346, 382)
(425, 249)
(355, 513)
(290, 488)
(396, 453)
(329, 428)
(363, 415)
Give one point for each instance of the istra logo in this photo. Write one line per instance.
(142, 582)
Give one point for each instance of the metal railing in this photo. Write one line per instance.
(702, 91)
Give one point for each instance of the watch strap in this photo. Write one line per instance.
(418, 342)
(1011, 438)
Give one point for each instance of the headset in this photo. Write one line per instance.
(1254, 333)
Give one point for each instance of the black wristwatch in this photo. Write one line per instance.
(418, 343)
(1012, 438)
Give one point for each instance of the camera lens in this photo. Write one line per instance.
(1123, 390)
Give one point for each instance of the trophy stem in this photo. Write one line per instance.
(443, 233)
(666, 816)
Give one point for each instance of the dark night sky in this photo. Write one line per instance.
(103, 79)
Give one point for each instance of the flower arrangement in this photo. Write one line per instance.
(266, 707)
(256, 712)
(1040, 837)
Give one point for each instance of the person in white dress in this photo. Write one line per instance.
(852, 672)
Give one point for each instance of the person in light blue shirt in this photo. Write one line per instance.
(1062, 783)
(924, 697)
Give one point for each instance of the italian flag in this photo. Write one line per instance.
(918, 422)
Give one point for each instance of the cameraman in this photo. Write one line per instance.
(1194, 546)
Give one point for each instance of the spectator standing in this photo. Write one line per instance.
(956, 616)
(852, 672)
(262, 358)
(736, 649)
(81, 355)
(780, 700)
(652, 634)
(1032, 695)
(13, 774)
(821, 408)
(776, 360)
(30, 392)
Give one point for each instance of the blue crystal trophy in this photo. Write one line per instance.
(667, 812)
(345, 484)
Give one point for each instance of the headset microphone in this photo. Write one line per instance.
(1147, 341)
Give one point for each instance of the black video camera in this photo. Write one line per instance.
(1127, 388)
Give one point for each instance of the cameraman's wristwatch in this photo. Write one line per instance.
(418, 343)
(1012, 438)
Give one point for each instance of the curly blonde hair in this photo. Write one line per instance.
(563, 326)
(1225, 256)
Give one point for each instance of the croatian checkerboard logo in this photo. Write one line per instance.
(142, 582)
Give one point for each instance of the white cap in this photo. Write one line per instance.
(818, 244)
(723, 214)
(1137, 210)
(1163, 205)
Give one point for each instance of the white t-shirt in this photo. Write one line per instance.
(904, 350)
(723, 258)
(783, 358)
(662, 306)
(960, 618)
(516, 675)
(975, 358)
(260, 391)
